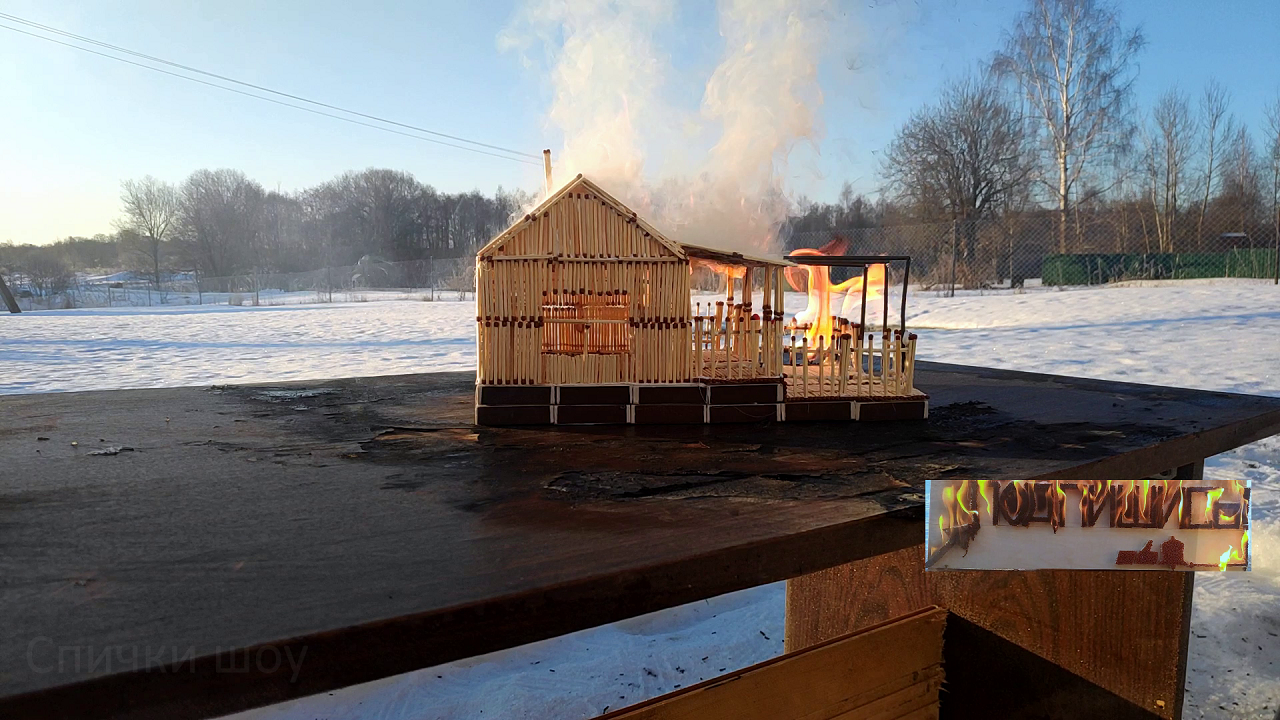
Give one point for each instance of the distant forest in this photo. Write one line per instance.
(221, 223)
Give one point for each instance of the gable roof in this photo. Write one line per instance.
(732, 257)
(579, 182)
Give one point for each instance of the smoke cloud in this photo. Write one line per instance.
(710, 173)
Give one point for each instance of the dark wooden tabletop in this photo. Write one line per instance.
(336, 532)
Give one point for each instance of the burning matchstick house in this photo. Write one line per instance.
(585, 315)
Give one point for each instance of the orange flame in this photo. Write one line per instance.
(984, 489)
(1232, 554)
(946, 520)
(1211, 505)
(816, 318)
(730, 272)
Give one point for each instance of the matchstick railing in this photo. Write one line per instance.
(736, 344)
(850, 365)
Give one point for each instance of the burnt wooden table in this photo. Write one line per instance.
(259, 543)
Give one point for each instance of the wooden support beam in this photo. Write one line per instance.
(1138, 653)
(9, 300)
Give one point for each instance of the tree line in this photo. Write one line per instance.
(219, 223)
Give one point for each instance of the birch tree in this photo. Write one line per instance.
(1216, 128)
(1167, 145)
(1273, 164)
(1074, 62)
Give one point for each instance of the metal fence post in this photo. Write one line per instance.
(954, 240)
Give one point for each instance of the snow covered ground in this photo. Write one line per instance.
(1218, 335)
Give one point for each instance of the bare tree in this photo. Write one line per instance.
(222, 220)
(1167, 150)
(1241, 193)
(47, 272)
(1072, 59)
(151, 211)
(1273, 162)
(961, 158)
(1216, 128)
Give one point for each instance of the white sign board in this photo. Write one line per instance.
(1093, 525)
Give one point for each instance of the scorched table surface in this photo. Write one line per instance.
(369, 524)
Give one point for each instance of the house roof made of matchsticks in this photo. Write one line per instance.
(683, 250)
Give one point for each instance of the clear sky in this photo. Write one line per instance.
(73, 125)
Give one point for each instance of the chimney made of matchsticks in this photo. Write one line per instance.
(546, 164)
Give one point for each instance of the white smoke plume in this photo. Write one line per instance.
(711, 175)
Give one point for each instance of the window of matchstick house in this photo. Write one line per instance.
(587, 324)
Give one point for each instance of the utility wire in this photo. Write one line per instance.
(152, 58)
(12, 18)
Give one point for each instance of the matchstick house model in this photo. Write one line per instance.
(585, 316)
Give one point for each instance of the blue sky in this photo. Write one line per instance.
(74, 125)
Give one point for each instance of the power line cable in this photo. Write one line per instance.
(152, 58)
(520, 155)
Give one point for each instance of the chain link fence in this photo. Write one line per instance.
(427, 280)
(1092, 249)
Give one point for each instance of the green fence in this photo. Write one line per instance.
(1098, 268)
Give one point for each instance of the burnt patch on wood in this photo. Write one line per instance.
(613, 485)
(435, 444)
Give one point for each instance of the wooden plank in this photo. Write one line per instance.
(916, 697)
(891, 666)
(368, 521)
(1137, 650)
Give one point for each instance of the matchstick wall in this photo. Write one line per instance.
(582, 291)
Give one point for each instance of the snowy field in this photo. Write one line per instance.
(1216, 335)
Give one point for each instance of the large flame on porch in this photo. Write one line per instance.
(817, 319)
